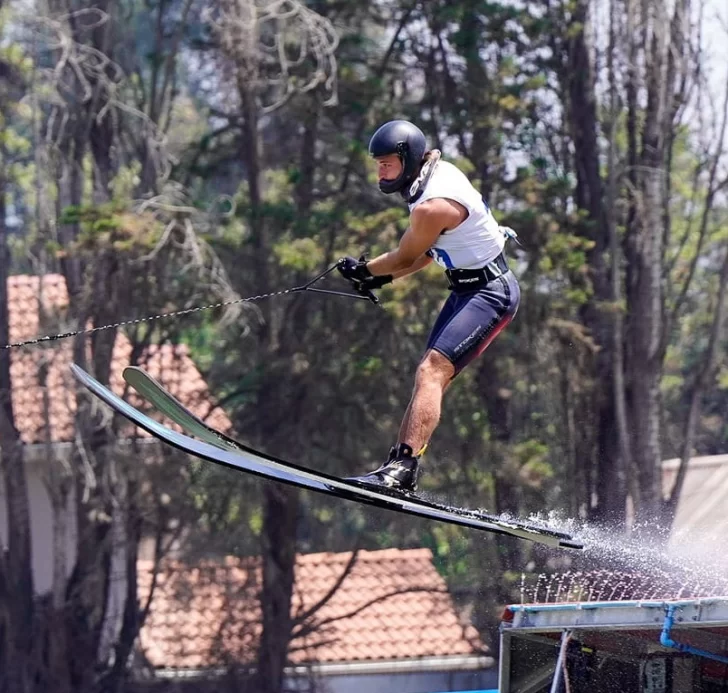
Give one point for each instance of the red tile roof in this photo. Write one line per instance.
(41, 377)
(392, 605)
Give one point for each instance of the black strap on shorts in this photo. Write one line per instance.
(474, 279)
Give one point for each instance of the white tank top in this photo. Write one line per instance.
(478, 239)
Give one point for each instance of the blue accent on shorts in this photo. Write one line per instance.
(468, 322)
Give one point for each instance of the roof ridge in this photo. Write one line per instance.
(26, 275)
(231, 561)
(376, 555)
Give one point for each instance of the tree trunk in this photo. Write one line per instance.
(615, 260)
(278, 553)
(645, 248)
(251, 151)
(645, 322)
(307, 168)
(16, 574)
(583, 120)
(58, 483)
(498, 402)
(278, 539)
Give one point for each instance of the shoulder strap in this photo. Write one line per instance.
(413, 193)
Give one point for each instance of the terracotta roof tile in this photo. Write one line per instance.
(393, 604)
(41, 378)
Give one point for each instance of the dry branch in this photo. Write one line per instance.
(279, 47)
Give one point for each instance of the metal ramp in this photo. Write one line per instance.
(655, 646)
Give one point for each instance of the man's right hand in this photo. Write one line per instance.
(356, 272)
(352, 269)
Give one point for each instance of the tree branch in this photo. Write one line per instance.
(702, 378)
(307, 629)
(714, 188)
(300, 618)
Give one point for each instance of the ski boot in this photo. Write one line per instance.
(398, 473)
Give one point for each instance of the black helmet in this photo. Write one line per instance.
(407, 141)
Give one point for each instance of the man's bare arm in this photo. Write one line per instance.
(428, 221)
(416, 266)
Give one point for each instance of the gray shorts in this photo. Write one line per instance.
(469, 322)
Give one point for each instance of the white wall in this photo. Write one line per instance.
(41, 517)
(410, 682)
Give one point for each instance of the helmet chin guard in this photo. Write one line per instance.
(408, 142)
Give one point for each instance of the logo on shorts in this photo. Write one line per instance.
(475, 334)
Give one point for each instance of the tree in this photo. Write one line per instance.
(275, 51)
(18, 658)
(573, 57)
(87, 135)
(633, 254)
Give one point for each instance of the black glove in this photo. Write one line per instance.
(356, 272)
(353, 270)
(376, 282)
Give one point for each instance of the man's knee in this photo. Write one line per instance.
(435, 367)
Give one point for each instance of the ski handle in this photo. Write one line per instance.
(366, 294)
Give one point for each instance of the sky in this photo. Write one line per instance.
(715, 26)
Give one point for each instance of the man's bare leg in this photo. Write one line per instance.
(433, 377)
(420, 420)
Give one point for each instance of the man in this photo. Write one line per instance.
(450, 223)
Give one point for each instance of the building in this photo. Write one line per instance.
(390, 625)
(44, 403)
(704, 495)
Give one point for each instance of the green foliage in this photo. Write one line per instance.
(13, 143)
(534, 466)
(124, 183)
(722, 379)
(302, 254)
(110, 225)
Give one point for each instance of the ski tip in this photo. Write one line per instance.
(571, 544)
